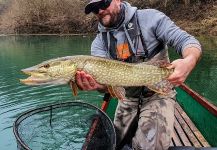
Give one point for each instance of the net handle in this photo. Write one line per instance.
(106, 100)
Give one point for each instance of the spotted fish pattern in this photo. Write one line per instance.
(114, 74)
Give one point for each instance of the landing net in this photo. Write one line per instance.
(65, 126)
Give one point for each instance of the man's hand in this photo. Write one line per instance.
(86, 82)
(183, 67)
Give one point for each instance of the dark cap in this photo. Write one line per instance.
(91, 5)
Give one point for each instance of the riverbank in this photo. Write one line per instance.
(67, 17)
(198, 19)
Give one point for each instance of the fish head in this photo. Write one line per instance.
(55, 71)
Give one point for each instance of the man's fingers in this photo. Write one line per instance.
(91, 81)
(175, 79)
(170, 66)
(82, 84)
(173, 76)
(87, 82)
(84, 81)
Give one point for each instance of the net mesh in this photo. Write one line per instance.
(65, 126)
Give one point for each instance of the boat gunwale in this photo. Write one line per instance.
(200, 99)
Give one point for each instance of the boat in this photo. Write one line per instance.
(195, 120)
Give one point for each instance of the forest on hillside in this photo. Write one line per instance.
(67, 16)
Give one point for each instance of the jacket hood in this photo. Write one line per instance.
(129, 12)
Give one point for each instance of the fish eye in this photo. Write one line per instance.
(46, 66)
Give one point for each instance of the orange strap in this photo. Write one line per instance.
(123, 51)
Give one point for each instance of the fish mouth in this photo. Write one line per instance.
(32, 81)
(34, 78)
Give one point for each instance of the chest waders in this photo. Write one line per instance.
(133, 35)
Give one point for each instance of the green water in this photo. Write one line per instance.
(18, 52)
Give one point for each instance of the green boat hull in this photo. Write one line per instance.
(204, 120)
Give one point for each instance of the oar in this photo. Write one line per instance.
(106, 100)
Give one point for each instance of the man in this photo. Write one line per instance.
(145, 120)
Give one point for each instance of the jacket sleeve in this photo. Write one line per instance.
(97, 47)
(166, 31)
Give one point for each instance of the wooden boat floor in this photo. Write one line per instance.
(185, 132)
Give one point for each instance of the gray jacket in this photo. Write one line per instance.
(155, 26)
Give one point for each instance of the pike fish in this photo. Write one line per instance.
(113, 74)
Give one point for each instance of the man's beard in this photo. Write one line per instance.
(111, 22)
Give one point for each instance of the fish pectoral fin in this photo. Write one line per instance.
(111, 91)
(117, 92)
(163, 87)
(74, 87)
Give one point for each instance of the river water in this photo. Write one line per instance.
(18, 52)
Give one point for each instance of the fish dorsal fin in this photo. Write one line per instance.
(163, 87)
(117, 92)
(158, 63)
(74, 87)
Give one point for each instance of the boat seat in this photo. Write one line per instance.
(185, 132)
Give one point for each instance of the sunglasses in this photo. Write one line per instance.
(103, 5)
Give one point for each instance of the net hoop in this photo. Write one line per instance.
(31, 112)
